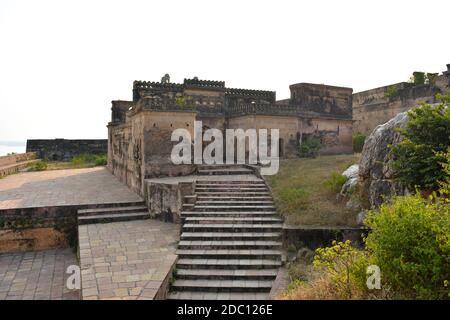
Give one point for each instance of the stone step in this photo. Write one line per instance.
(199, 295)
(230, 244)
(233, 202)
(112, 210)
(229, 253)
(220, 236)
(205, 166)
(224, 171)
(235, 227)
(229, 264)
(228, 214)
(188, 206)
(106, 218)
(112, 205)
(236, 197)
(231, 188)
(227, 184)
(223, 285)
(233, 208)
(224, 274)
(219, 182)
(239, 220)
(236, 193)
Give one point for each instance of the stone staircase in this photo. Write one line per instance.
(211, 170)
(124, 211)
(230, 245)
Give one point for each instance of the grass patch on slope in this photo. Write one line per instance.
(304, 190)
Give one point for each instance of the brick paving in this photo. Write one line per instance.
(126, 260)
(63, 187)
(38, 275)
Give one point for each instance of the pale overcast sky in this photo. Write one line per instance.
(62, 62)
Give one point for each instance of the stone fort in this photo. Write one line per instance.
(139, 133)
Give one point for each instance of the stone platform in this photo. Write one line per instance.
(63, 187)
(39, 275)
(127, 260)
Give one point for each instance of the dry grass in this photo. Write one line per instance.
(300, 194)
(321, 287)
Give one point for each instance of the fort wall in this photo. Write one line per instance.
(64, 149)
(377, 106)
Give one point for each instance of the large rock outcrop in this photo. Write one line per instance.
(376, 170)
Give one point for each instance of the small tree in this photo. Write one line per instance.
(420, 154)
(310, 147)
(419, 78)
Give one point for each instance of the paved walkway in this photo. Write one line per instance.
(63, 187)
(126, 260)
(38, 275)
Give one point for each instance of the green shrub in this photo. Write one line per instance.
(419, 78)
(310, 147)
(410, 242)
(391, 92)
(358, 141)
(419, 154)
(335, 182)
(86, 159)
(100, 160)
(40, 165)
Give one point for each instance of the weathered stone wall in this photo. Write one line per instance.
(16, 158)
(335, 134)
(314, 237)
(377, 106)
(165, 200)
(157, 131)
(25, 229)
(14, 163)
(323, 99)
(141, 148)
(65, 149)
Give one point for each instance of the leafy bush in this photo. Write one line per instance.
(100, 160)
(419, 78)
(410, 242)
(390, 92)
(358, 141)
(419, 154)
(86, 158)
(40, 165)
(345, 265)
(335, 182)
(310, 147)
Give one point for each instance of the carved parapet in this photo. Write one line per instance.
(211, 84)
(168, 104)
(143, 88)
(278, 110)
(247, 93)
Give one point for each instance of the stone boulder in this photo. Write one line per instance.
(351, 172)
(376, 170)
(352, 180)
